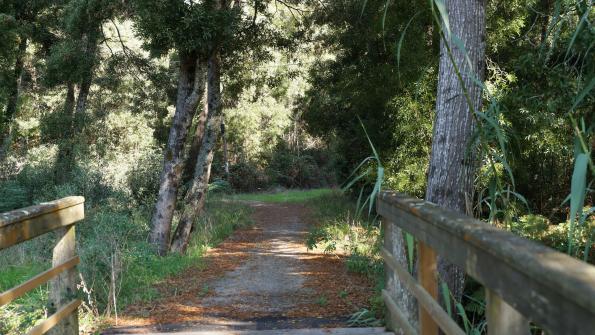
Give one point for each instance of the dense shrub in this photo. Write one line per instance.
(247, 177)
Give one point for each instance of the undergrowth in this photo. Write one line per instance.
(114, 256)
(291, 196)
(339, 230)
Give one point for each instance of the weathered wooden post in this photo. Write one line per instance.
(404, 301)
(503, 318)
(63, 287)
(428, 280)
(27, 223)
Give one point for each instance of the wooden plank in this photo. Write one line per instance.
(503, 319)
(396, 312)
(18, 215)
(63, 287)
(448, 325)
(427, 276)
(18, 291)
(50, 322)
(552, 289)
(24, 224)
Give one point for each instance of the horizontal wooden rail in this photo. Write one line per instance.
(552, 289)
(24, 224)
(42, 278)
(53, 320)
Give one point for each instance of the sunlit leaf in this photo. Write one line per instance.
(577, 193)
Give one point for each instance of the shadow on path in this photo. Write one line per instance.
(262, 277)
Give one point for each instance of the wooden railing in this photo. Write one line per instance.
(24, 224)
(524, 281)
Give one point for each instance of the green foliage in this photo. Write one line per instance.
(203, 25)
(247, 177)
(364, 318)
(539, 228)
(286, 195)
(112, 241)
(24, 311)
(14, 196)
(268, 145)
(361, 80)
(339, 230)
(299, 169)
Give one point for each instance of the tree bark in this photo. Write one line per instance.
(196, 143)
(65, 146)
(195, 197)
(13, 100)
(190, 89)
(453, 159)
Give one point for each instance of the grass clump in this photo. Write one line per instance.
(339, 230)
(288, 196)
(118, 266)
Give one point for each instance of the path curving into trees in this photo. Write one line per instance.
(262, 277)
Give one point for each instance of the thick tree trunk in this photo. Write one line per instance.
(13, 100)
(453, 160)
(195, 197)
(190, 89)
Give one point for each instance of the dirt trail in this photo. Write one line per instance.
(262, 277)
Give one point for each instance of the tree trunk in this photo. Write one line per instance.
(453, 159)
(65, 146)
(196, 143)
(66, 157)
(195, 197)
(225, 156)
(13, 100)
(190, 88)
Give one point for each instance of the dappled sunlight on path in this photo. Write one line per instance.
(260, 275)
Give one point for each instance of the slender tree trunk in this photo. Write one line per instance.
(66, 157)
(546, 7)
(65, 146)
(196, 143)
(453, 160)
(195, 198)
(225, 155)
(190, 89)
(13, 100)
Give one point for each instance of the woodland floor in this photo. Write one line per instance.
(261, 277)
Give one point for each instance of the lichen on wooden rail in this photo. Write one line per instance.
(22, 214)
(24, 224)
(552, 289)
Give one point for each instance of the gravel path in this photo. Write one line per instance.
(262, 277)
(268, 280)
